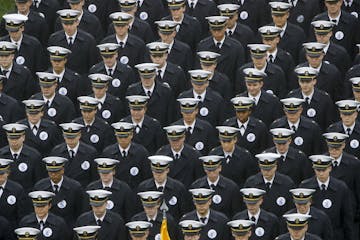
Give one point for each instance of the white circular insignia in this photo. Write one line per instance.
(109, 205)
(173, 201)
(311, 112)
(106, 114)
(199, 146)
(300, 18)
(85, 165)
(217, 199)
(116, 82)
(11, 200)
(250, 137)
(20, 60)
(280, 201)
(269, 91)
(23, 167)
(51, 112)
(63, 91)
(47, 232)
(43, 135)
(212, 233)
(244, 15)
(92, 8)
(144, 15)
(134, 171)
(354, 143)
(62, 204)
(259, 231)
(355, 14)
(157, 236)
(204, 111)
(124, 60)
(339, 35)
(327, 203)
(299, 141)
(94, 138)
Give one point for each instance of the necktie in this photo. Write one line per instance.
(72, 154)
(253, 219)
(124, 154)
(323, 187)
(159, 74)
(228, 158)
(255, 103)
(307, 100)
(293, 128)
(203, 219)
(176, 157)
(212, 186)
(271, 58)
(35, 130)
(137, 129)
(4, 72)
(148, 93)
(282, 158)
(138, 4)
(121, 44)
(242, 129)
(188, 133)
(267, 186)
(335, 164)
(291, 2)
(192, 4)
(41, 225)
(230, 33)
(56, 188)
(110, 72)
(334, 21)
(48, 103)
(36, 3)
(199, 97)
(160, 189)
(15, 156)
(218, 45)
(98, 222)
(70, 42)
(88, 128)
(348, 131)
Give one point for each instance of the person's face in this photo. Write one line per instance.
(348, 120)
(121, 30)
(177, 14)
(193, 237)
(203, 209)
(107, 177)
(140, 238)
(208, 67)
(213, 175)
(244, 237)
(218, 34)
(70, 28)
(72, 142)
(243, 116)
(283, 148)
(254, 88)
(16, 35)
(77, 6)
(333, 8)
(88, 116)
(159, 58)
(23, 8)
(356, 95)
(58, 65)
(138, 114)
(293, 117)
(110, 60)
(280, 20)
(99, 211)
(314, 61)
(151, 211)
(335, 152)
(6, 61)
(160, 177)
(100, 92)
(307, 86)
(42, 211)
(323, 174)
(228, 146)
(303, 208)
(16, 143)
(189, 117)
(147, 82)
(323, 38)
(200, 88)
(56, 176)
(4, 177)
(232, 20)
(48, 92)
(259, 63)
(254, 208)
(177, 143)
(268, 174)
(167, 38)
(34, 118)
(272, 42)
(124, 141)
(297, 234)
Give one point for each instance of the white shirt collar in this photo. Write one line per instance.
(44, 219)
(170, 46)
(123, 40)
(283, 30)
(294, 124)
(9, 70)
(326, 48)
(126, 149)
(309, 96)
(351, 127)
(102, 100)
(337, 18)
(109, 185)
(179, 152)
(221, 41)
(256, 98)
(232, 29)
(318, 68)
(59, 183)
(139, 123)
(192, 125)
(18, 43)
(207, 216)
(73, 37)
(162, 185)
(162, 70)
(49, 99)
(81, 15)
(263, 68)
(338, 159)
(348, 3)
(61, 75)
(192, 1)
(112, 68)
(101, 219)
(179, 22)
(321, 183)
(271, 181)
(257, 215)
(202, 95)
(75, 149)
(140, 2)
(151, 89)
(37, 124)
(282, 154)
(274, 53)
(244, 124)
(17, 152)
(214, 183)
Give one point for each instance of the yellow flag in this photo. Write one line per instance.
(164, 234)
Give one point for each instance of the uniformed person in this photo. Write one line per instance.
(267, 107)
(132, 169)
(167, 72)
(307, 136)
(151, 201)
(191, 229)
(69, 195)
(241, 229)
(111, 224)
(215, 222)
(80, 166)
(13, 202)
(132, 48)
(97, 132)
(297, 225)
(151, 11)
(41, 134)
(277, 199)
(186, 166)
(238, 163)
(212, 106)
(253, 134)
(27, 168)
(87, 232)
(70, 83)
(175, 195)
(318, 105)
(332, 196)
(349, 125)
(274, 77)
(111, 108)
(270, 35)
(179, 53)
(161, 97)
(217, 81)
(57, 108)
(328, 78)
(199, 133)
(319, 223)
(121, 74)
(30, 52)
(293, 162)
(355, 88)
(266, 224)
(27, 233)
(82, 44)
(232, 52)
(47, 9)
(122, 199)
(50, 225)
(19, 82)
(139, 230)
(292, 36)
